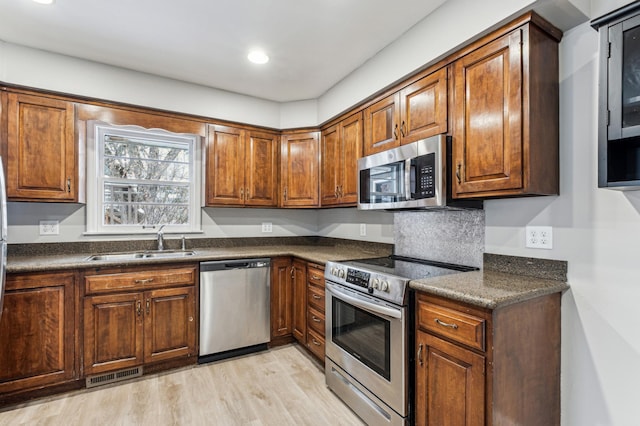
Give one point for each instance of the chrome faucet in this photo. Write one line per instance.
(161, 238)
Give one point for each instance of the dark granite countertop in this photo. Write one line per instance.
(504, 279)
(488, 288)
(312, 253)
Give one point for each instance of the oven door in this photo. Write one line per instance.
(367, 338)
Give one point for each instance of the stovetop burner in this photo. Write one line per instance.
(387, 277)
(407, 267)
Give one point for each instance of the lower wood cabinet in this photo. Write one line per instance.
(281, 300)
(476, 366)
(127, 326)
(297, 304)
(299, 286)
(315, 310)
(37, 332)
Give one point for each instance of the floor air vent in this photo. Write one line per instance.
(117, 376)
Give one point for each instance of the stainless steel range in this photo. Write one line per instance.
(367, 333)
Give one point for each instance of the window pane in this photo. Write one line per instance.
(146, 193)
(141, 214)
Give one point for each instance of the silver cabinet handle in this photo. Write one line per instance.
(315, 342)
(420, 355)
(148, 280)
(315, 318)
(444, 324)
(316, 297)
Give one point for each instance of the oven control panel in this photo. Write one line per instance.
(359, 278)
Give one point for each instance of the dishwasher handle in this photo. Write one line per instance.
(223, 265)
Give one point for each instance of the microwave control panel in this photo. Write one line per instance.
(423, 178)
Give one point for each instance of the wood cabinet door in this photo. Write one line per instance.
(225, 166)
(449, 383)
(351, 151)
(41, 163)
(300, 169)
(261, 169)
(37, 331)
(423, 109)
(381, 130)
(299, 286)
(169, 323)
(487, 134)
(281, 297)
(331, 163)
(113, 332)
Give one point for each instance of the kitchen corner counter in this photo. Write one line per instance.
(488, 289)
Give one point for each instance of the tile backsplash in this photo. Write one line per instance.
(453, 236)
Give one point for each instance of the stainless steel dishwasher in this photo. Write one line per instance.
(234, 307)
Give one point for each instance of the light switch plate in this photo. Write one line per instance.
(49, 227)
(363, 229)
(539, 237)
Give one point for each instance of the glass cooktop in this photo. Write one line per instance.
(407, 267)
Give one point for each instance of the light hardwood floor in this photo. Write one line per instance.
(281, 386)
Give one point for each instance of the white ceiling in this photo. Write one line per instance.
(312, 44)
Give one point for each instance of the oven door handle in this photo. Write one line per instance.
(376, 309)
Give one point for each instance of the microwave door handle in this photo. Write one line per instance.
(409, 170)
(380, 310)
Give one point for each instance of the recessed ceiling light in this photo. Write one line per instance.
(44, 1)
(258, 57)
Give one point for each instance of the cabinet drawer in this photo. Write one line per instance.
(315, 297)
(315, 321)
(315, 275)
(315, 343)
(139, 280)
(459, 326)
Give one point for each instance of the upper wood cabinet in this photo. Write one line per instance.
(415, 112)
(506, 112)
(341, 149)
(300, 169)
(241, 167)
(41, 162)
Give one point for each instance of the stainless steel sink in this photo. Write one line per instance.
(141, 255)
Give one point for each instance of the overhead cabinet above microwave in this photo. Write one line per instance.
(416, 112)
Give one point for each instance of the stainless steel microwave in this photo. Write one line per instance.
(412, 176)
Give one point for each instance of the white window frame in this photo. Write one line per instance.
(96, 132)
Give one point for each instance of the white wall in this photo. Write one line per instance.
(36, 68)
(598, 232)
(455, 22)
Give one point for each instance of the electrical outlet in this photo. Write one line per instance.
(539, 237)
(49, 227)
(363, 229)
(267, 227)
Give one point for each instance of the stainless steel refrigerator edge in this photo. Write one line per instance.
(235, 304)
(3, 234)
